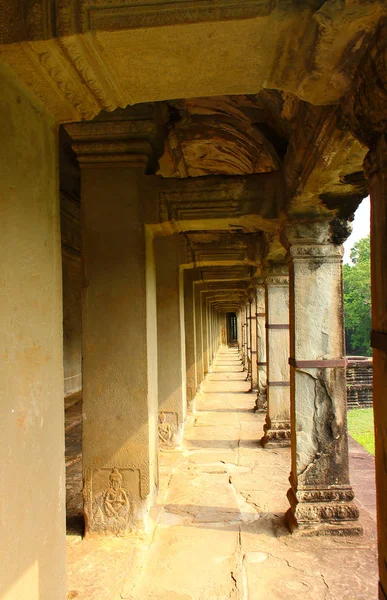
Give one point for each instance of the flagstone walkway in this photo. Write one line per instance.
(218, 528)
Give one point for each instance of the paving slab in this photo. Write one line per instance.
(218, 529)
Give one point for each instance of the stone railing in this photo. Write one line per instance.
(359, 381)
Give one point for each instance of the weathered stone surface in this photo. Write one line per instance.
(119, 310)
(224, 518)
(32, 430)
(104, 56)
(277, 427)
(376, 169)
(318, 386)
(170, 255)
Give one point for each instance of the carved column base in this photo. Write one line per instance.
(261, 401)
(328, 511)
(277, 434)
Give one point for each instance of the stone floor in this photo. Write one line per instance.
(217, 531)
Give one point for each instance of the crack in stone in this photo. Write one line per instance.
(326, 585)
(318, 454)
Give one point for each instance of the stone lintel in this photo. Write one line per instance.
(222, 202)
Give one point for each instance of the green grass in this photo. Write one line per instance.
(361, 427)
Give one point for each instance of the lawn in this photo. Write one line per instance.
(361, 427)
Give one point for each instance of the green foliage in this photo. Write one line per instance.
(357, 299)
(361, 427)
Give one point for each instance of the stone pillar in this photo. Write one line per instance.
(170, 254)
(254, 349)
(190, 276)
(240, 332)
(244, 337)
(277, 427)
(205, 332)
(320, 495)
(120, 408)
(32, 481)
(72, 294)
(261, 401)
(248, 339)
(209, 331)
(199, 370)
(376, 171)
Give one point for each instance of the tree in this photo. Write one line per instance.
(357, 299)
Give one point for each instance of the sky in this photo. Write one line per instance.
(360, 227)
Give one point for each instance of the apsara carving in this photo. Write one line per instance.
(113, 509)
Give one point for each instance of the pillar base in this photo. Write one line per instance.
(277, 434)
(261, 401)
(323, 511)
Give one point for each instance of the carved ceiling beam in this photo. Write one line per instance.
(364, 109)
(322, 168)
(82, 56)
(227, 274)
(224, 203)
(222, 249)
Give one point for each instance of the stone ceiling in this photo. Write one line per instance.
(228, 135)
(270, 136)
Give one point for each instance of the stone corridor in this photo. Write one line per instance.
(217, 530)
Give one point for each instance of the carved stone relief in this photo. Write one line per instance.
(113, 505)
(167, 426)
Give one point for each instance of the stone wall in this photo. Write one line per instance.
(359, 382)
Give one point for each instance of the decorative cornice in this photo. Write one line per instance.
(325, 252)
(126, 14)
(115, 143)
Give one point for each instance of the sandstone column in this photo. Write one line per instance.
(198, 335)
(240, 331)
(320, 495)
(205, 331)
(376, 171)
(190, 276)
(261, 402)
(32, 479)
(170, 254)
(248, 338)
(244, 337)
(119, 324)
(254, 349)
(277, 427)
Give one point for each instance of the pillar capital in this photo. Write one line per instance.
(321, 238)
(125, 138)
(276, 274)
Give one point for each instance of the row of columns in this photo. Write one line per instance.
(123, 344)
(298, 328)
